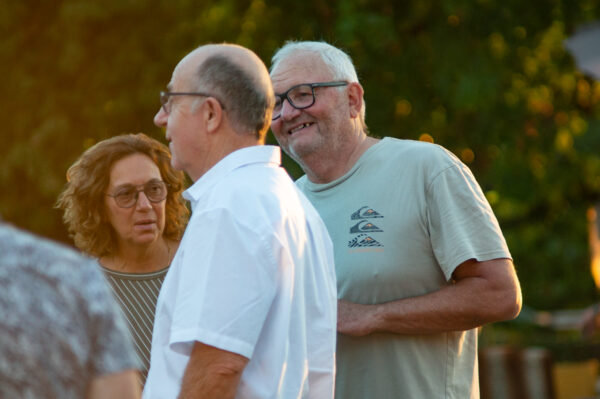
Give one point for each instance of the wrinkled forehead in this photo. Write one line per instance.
(301, 67)
(136, 168)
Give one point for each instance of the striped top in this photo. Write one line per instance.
(137, 294)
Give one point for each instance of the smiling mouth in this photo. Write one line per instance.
(298, 128)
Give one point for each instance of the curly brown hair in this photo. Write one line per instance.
(82, 199)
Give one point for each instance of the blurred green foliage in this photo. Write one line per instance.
(488, 79)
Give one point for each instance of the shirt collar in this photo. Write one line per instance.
(237, 159)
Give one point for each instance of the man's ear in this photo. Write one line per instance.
(355, 98)
(213, 114)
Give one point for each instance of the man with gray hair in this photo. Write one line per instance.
(248, 307)
(420, 259)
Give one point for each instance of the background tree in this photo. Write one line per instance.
(488, 79)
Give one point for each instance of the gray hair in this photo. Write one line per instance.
(339, 63)
(248, 105)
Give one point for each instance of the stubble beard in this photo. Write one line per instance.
(322, 150)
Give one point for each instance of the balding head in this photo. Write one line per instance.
(238, 79)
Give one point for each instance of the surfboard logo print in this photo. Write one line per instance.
(365, 213)
(364, 228)
(363, 240)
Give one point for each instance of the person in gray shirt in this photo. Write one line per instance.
(420, 259)
(61, 333)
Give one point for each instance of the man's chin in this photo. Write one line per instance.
(301, 150)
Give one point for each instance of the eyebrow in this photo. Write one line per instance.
(290, 88)
(129, 185)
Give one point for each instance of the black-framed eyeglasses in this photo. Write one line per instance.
(127, 195)
(301, 96)
(166, 95)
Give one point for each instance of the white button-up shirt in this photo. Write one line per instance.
(254, 275)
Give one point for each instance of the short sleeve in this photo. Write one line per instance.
(461, 222)
(227, 284)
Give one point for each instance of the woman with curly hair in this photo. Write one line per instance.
(122, 204)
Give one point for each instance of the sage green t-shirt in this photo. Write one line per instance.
(401, 220)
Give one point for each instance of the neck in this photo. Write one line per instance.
(141, 259)
(324, 169)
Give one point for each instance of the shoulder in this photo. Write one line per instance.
(422, 159)
(417, 150)
(256, 197)
(39, 259)
(263, 184)
(22, 246)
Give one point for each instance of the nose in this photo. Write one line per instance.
(287, 111)
(160, 119)
(143, 202)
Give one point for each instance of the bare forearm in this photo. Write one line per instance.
(470, 302)
(448, 309)
(432, 313)
(212, 373)
(209, 385)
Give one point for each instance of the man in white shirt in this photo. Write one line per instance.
(248, 307)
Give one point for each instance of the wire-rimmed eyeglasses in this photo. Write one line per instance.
(127, 195)
(167, 104)
(301, 96)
